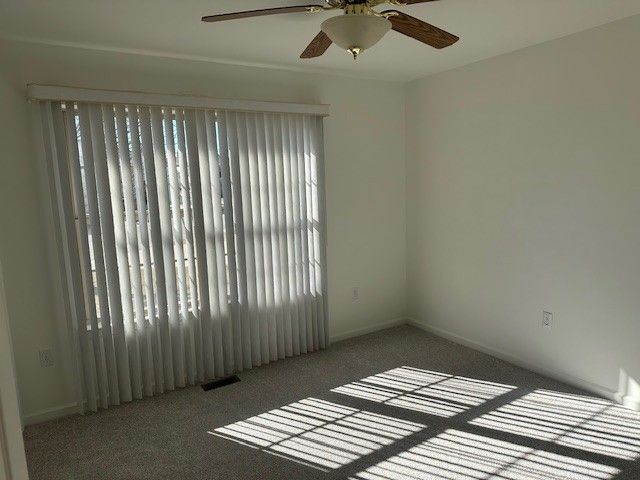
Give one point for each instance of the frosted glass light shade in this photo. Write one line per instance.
(356, 31)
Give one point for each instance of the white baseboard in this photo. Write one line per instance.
(52, 413)
(520, 362)
(631, 402)
(368, 329)
(628, 401)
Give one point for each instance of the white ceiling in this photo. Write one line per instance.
(172, 27)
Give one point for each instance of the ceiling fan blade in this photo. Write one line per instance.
(260, 13)
(411, 2)
(421, 31)
(317, 47)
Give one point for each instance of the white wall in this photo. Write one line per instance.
(13, 464)
(365, 183)
(523, 195)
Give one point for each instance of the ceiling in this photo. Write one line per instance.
(172, 27)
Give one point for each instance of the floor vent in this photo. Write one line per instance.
(221, 382)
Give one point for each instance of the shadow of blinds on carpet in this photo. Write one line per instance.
(192, 241)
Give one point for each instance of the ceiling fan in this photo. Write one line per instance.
(359, 28)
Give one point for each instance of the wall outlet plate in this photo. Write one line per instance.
(46, 358)
(547, 319)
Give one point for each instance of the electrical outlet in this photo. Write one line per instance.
(355, 293)
(46, 358)
(547, 319)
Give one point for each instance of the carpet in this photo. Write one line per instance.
(399, 404)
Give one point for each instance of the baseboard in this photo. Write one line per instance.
(520, 362)
(628, 401)
(368, 329)
(52, 413)
(631, 402)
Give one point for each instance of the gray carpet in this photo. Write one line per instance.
(507, 436)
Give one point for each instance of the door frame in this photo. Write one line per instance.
(13, 464)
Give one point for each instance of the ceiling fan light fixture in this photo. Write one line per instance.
(356, 33)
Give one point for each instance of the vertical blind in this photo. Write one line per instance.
(192, 241)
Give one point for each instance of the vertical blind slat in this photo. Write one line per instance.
(201, 195)
(301, 249)
(289, 149)
(233, 338)
(145, 322)
(320, 230)
(221, 332)
(163, 374)
(130, 253)
(256, 156)
(179, 278)
(243, 180)
(233, 128)
(207, 262)
(282, 225)
(273, 226)
(266, 193)
(307, 249)
(167, 280)
(192, 303)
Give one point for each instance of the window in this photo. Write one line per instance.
(195, 247)
(140, 212)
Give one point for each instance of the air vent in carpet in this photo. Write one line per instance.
(221, 382)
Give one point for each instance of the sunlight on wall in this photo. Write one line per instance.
(424, 391)
(459, 455)
(318, 433)
(585, 423)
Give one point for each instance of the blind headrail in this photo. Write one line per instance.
(60, 93)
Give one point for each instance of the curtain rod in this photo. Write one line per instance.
(59, 93)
